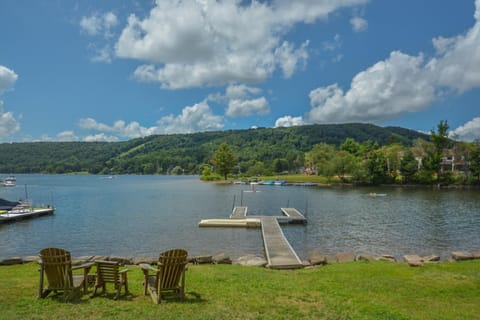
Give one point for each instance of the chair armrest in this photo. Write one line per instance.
(123, 271)
(147, 267)
(87, 265)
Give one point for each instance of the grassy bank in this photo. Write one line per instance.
(359, 290)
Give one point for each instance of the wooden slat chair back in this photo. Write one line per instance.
(56, 265)
(169, 275)
(109, 272)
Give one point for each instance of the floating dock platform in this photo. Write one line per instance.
(278, 251)
(11, 217)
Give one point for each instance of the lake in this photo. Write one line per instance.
(141, 216)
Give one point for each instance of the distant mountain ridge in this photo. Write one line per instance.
(164, 153)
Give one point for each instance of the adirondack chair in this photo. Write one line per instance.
(56, 265)
(109, 272)
(169, 276)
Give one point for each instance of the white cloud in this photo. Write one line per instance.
(67, 136)
(240, 91)
(359, 24)
(200, 43)
(100, 137)
(402, 83)
(470, 131)
(198, 117)
(120, 128)
(8, 123)
(99, 24)
(289, 121)
(387, 89)
(7, 79)
(244, 108)
(240, 102)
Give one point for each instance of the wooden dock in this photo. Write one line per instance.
(239, 213)
(278, 251)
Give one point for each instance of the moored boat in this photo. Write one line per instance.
(13, 211)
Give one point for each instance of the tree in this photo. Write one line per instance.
(319, 157)
(474, 163)
(440, 141)
(342, 163)
(224, 160)
(351, 146)
(408, 167)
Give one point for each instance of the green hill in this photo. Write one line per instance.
(167, 154)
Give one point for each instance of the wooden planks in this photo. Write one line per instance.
(278, 251)
(239, 213)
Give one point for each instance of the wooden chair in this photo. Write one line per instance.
(109, 272)
(169, 276)
(56, 265)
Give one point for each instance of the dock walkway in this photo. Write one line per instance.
(239, 213)
(278, 251)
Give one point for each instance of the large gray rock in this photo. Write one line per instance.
(387, 257)
(365, 257)
(145, 260)
(221, 258)
(122, 260)
(345, 257)
(462, 255)
(203, 260)
(315, 258)
(11, 261)
(431, 258)
(251, 260)
(413, 260)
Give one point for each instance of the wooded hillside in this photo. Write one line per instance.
(186, 153)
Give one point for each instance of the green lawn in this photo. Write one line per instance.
(358, 290)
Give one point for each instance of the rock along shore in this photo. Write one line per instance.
(315, 259)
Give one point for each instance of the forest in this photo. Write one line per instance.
(310, 149)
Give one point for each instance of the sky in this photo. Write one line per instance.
(111, 70)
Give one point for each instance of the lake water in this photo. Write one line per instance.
(141, 216)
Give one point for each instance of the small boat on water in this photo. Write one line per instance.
(12, 211)
(9, 181)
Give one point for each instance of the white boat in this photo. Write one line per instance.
(9, 181)
(13, 211)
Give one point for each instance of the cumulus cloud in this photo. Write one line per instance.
(387, 89)
(120, 128)
(8, 123)
(402, 83)
(244, 108)
(241, 103)
(100, 137)
(194, 43)
(359, 24)
(198, 117)
(289, 121)
(470, 131)
(67, 136)
(100, 25)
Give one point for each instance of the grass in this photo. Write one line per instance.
(358, 290)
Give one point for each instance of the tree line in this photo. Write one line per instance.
(438, 161)
(362, 153)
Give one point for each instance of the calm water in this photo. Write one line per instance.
(143, 215)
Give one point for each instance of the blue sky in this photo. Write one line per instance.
(116, 70)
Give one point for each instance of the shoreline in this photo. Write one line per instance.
(314, 259)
